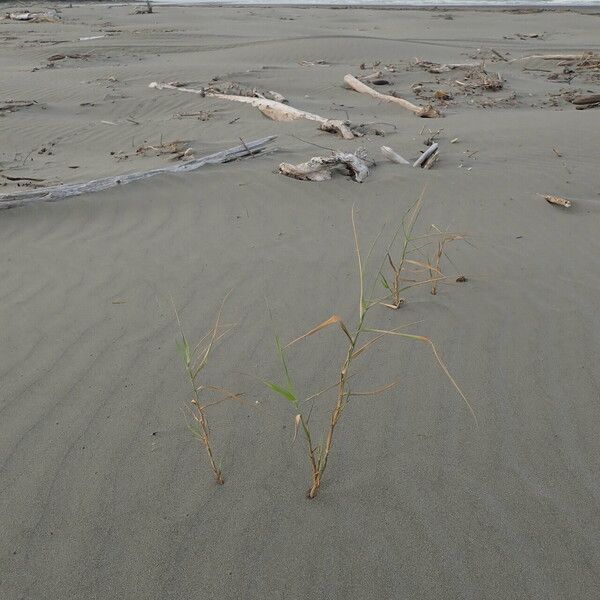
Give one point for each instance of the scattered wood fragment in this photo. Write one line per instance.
(421, 111)
(581, 56)
(236, 89)
(442, 95)
(313, 63)
(557, 200)
(56, 57)
(586, 106)
(321, 168)
(176, 150)
(427, 156)
(393, 156)
(50, 16)
(14, 105)
(495, 52)
(437, 68)
(59, 192)
(276, 111)
(431, 160)
(15, 178)
(203, 115)
(480, 78)
(583, 102)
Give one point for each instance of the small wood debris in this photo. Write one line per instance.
(56, 57)
(14, 105)
(583, 102)
(442, 95)
(50, 16)
(321, 168)
(428, 158)
(203, 115)
(237, 89)
(558, 200)
(176, 150)
(393, 156)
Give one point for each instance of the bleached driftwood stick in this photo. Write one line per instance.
(555, 57)
(363, 88)
(420, 162)
(320, 168)
(58, 192)
(393, 156)
(276, 111)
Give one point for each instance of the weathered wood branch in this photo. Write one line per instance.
(51, 194)
(276, 111)
(421, 111)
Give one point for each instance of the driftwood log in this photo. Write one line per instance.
(321, 168)
(421, 111)
(58, 192)
(276, 111)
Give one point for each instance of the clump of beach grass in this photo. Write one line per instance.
(411, 267)
(204, 396)
(357, 340)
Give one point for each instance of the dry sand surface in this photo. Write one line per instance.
(105, 494)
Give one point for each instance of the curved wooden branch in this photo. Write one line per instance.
(276, 111)
(51, 194)
(320, 168)
(421, 111)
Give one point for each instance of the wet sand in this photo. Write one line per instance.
(105, 494)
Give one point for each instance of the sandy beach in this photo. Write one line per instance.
(104, 492)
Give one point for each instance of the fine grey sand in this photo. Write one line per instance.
(105, 494)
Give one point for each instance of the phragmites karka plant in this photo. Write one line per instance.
(411, 267)
(204, 395)
(358, 339)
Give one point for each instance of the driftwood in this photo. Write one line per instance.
(235, 89)
(13, 105)
(393, 156)
(583, 102)
(432, 67)
(320, 168)
(557, 200)
(555, 57)
(51, 194)
(276, 111)
(430, 155)
(363, 88)
(592, 99)
(50, 16)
